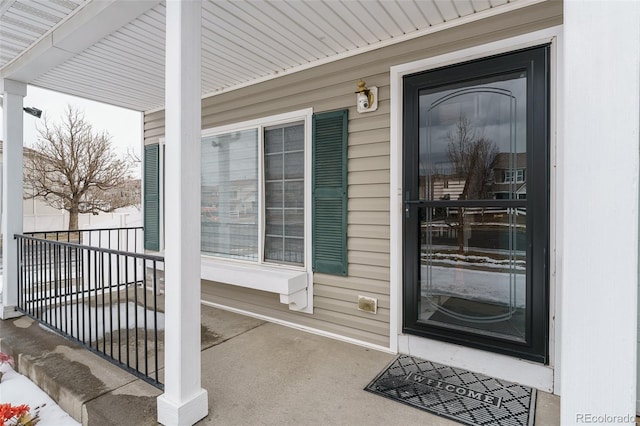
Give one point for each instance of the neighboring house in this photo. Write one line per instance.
(292, 202)
(442, 186)
(40, 216)
(37, 214)
(507, 179)
(509, 176)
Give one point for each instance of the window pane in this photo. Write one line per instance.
(285, 250)
(284, 176)
(274, 249)
(294, 138)
(229, 192)
(294, 223)
(294, 165)
(294, 194)
(294, 250)
(274, 194)
(473, 139)
(274, 223)
(273, 140)
(473, 270)
(273, 165)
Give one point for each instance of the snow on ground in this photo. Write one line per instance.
(117, 317)
(462, 260)
(485, 286)
(17, 389)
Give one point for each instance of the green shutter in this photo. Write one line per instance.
(152, 197)
(330, 192)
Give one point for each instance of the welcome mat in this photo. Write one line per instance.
(454, 393)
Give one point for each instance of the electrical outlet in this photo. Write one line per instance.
(368, 304)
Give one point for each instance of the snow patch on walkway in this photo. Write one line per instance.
(95, 320)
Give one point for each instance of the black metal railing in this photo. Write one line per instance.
(125, 239)
(96, 287)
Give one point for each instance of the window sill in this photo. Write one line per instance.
(290, 284)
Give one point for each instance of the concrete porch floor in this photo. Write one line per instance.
(256, 373)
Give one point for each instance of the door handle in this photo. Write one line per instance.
(407, 205)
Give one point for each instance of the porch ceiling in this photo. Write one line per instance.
(113, 51)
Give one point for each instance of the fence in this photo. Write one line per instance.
(96, 287)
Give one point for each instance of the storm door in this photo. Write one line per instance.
(476, 203)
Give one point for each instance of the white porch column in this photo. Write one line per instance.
(13, 94)
(184, 402)
(599, 166)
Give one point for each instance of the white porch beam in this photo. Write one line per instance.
(93, 22)
(12, 116)
(599, 169)
(184, 402)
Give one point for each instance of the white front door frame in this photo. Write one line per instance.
(525, 372)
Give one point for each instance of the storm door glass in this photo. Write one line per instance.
(475, 155)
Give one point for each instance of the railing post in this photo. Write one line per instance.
(62, 281)
(14, 92)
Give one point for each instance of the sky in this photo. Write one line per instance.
(124, 125)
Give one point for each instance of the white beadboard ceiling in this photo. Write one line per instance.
(243, 41)
(24, 22)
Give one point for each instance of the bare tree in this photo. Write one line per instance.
(133, 156)
(73, 167)
(472, 157)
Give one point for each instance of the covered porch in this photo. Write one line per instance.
(190, 65)
(255, 372)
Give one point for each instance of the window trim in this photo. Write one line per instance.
(281, 278)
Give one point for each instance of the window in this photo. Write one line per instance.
(284, 192)
(253, 191)
(514, 176)
(257, 199)
(230, 224)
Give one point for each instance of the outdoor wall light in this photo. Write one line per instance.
(366, 98)
(37, 113)
(33, 111)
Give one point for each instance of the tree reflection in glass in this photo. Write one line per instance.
(473, 249)
(471, 157)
